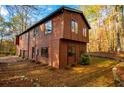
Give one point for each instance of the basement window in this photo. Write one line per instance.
(48, 27)
(44, 51)
(74, 26)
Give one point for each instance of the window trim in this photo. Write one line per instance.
(71, 50)
(46, 31)
(44, 55)
(75, 24)
(84, 31)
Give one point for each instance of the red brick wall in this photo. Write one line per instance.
(50, 40)
(23, 44)
(57, 48)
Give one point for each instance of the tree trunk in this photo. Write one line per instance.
(118, 47)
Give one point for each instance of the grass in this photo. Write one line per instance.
(98, 73)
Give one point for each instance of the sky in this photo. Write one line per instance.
(48, 9)
(51, 8)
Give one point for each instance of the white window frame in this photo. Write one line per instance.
(48, 25)
(85, 32)
(74, 26)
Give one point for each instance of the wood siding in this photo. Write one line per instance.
(64, 52)
(68, 34)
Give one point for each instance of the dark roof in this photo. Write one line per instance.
(53, 14)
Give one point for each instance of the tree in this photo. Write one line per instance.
(107, 23)
(19, 18)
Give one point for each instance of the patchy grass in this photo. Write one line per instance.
(98, 73)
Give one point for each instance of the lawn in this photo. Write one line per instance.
(98, 73)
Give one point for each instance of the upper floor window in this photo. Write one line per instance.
(84, 32)
(36, 31)
(48, 27)
(74, 26)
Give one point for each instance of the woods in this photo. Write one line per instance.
(14, 20)
(106, 34)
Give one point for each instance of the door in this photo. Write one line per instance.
(23, 53)
(71, 54)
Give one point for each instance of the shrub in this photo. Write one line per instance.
(85, 60)
(13, 53)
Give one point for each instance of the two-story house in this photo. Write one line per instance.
(58, 39)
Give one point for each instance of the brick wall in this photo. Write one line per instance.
(56, 41)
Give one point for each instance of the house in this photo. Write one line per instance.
(58, 39)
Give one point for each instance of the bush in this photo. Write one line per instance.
(13, 53)
(85, 60)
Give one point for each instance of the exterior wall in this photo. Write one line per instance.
(23, 45)
(50, 40)
(57, 41)
(68, 34)
(79, 46)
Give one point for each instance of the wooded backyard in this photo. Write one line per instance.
(100, 49)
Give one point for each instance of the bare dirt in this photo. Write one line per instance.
(15, 72)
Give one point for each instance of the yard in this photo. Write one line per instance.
(17, 72)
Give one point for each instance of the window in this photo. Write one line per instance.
(36, 31)
(48, 27)
(33, 52)
(37, 52)
(44, 51)
(71, 50)
(84, 32)
(74, 26)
